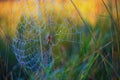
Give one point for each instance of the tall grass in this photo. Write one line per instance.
(80, 51)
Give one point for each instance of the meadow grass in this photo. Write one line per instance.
(80, 50)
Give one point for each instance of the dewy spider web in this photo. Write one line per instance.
(29, 45)
(26, 46)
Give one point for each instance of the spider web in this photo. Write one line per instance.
(26, 47)
(30, 45)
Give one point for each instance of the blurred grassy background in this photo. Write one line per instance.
(96, 57)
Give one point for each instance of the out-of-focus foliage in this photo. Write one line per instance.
(82, 35)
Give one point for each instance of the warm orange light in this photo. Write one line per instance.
(89, 9)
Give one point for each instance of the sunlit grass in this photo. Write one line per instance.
(85, 38)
